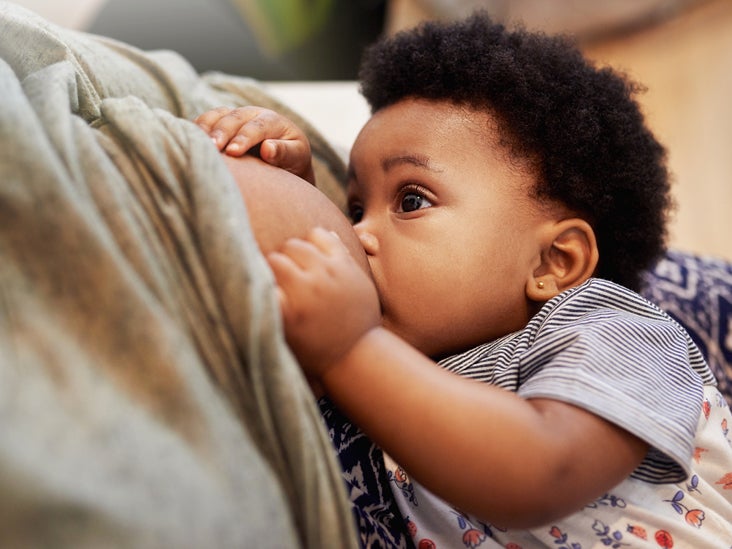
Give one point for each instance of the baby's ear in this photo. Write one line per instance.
(568, 258)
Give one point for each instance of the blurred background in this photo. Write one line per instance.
(681, 50)
(265, 39)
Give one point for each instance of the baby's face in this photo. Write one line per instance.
(449, 228)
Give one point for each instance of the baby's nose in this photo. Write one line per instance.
(368, 240)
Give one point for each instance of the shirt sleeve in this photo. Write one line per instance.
(631, 370)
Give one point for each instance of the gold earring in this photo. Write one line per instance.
(540, 285)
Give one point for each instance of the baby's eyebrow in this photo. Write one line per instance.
(418, 160)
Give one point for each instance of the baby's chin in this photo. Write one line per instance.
(429, 344)
(419, 342)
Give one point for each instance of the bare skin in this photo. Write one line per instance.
(270, 160)
(282, 205)
(419, 195)
(280, 142)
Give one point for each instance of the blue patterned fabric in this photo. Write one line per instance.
(379, 523)
(697, 292)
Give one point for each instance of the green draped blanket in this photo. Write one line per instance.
(147, 398)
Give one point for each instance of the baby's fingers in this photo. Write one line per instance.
(307, 255)
(290, 279)
(301, 263)
(328, 242)
(238, 130)
(286, 273)
(283, 267)
(291, 155)
(248, 126)
(208, 122)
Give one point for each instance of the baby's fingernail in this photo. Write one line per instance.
(233, 147)
(273, 149)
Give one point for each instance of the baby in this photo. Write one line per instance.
(508, 196)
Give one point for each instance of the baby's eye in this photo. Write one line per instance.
(412, 201)
(355, 213)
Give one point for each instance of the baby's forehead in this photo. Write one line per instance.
(415, 127)
(484, 121)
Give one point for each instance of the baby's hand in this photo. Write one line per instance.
(328, 301)
(281, 142)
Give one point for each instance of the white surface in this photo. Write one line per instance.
(336, 109)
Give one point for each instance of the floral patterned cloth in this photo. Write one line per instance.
(682, 515)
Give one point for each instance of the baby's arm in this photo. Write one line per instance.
(281, 142)
(510, 461)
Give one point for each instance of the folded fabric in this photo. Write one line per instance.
(147, 397)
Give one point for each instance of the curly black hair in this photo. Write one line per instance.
(579, 124)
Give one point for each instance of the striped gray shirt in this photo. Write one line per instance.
(606, 349)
